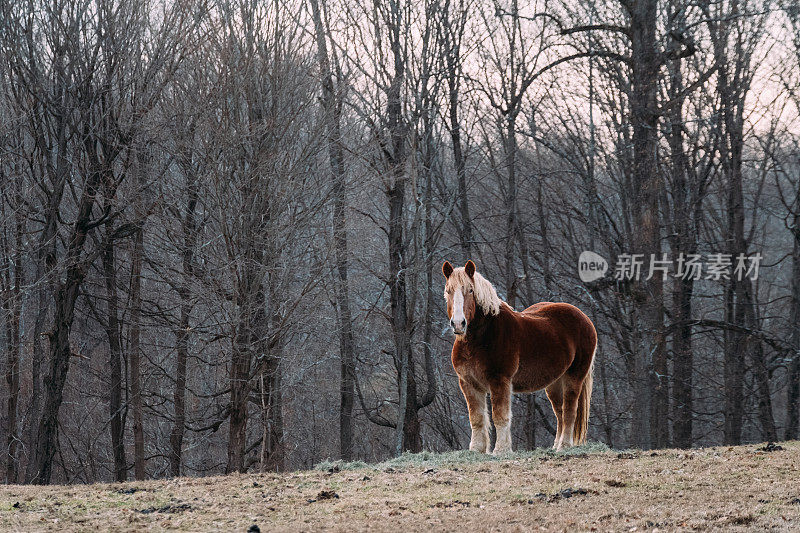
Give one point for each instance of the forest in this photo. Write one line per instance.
(222, 223)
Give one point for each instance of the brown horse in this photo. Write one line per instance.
(547, 346)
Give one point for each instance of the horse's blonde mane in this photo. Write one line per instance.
(485, 295)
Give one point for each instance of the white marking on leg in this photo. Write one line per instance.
(479, 441)
(566, 439)
(503, 443)
(503, 427)
(566, 436)
(559, 430)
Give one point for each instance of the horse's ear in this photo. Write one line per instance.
(469, 268)
(447, 269)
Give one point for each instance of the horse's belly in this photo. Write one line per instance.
(522, 387)
(531, 377)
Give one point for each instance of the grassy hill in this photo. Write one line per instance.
(590, 488)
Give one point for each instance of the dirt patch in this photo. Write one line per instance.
(170, 508)
(454, 503)
(129, 490)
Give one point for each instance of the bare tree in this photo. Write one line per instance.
(451, 37)
(792, 417)
(734, 40)
(12, 279)
(332, 102)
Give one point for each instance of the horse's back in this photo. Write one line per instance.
(565, 315)
(536, 307)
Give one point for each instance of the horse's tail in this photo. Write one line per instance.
(584, 401)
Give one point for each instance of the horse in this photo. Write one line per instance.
(548, 346)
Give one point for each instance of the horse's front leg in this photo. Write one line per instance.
(501, 414)
(478, 417)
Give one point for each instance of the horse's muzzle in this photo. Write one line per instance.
(459, 328)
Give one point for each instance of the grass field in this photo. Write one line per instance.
(585, 489)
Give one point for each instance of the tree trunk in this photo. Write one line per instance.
(134, 354)
(547, 272)
(683, 361)
(733, 370)
(684, 241)
(760, 370)
(792, 415)
(332, 104)
(179, 392)
(735, 294)
(765, 416)
(272, 448)
(12, 308)
(648, 424)
(37, 363)
(395, 195)
(189, 230)
(732, 88)
(46, 286)
(240, 390)
(60, 352)
(249, 339)
(510, 137)
(412, 437)
(428, 251)
(452, 53)
(397, 302)
(414, 403)
(113, 332)
(793, 376)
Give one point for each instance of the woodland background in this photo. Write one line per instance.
(222, 221)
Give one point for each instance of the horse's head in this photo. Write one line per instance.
(459, 291)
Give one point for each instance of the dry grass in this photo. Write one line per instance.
(724, 489)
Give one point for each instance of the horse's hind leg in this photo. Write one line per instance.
(478, 416)
(572, 391)
(555, 394)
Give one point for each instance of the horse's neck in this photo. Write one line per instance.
(483, 327)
